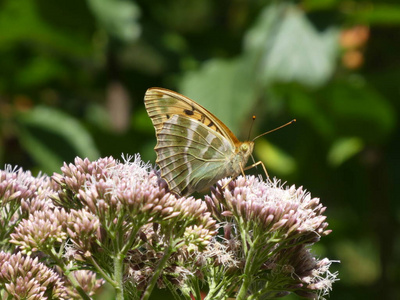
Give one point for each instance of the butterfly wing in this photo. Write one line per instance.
(194, 148)
(161, 104)
(190, 155)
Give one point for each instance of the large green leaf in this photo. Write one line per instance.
(52, 137)
(290, 49)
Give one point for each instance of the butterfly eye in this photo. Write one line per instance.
(244, 147)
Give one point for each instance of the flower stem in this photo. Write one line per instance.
(103, 274)
(167, 252)
(251, 264)
(195, 283)
(118, 276)
(78, 288)
(68, 273)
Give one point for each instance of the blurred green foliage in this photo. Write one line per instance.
(73, 75)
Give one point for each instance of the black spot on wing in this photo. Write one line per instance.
(188, 112)
(211, 124)
(168, 116)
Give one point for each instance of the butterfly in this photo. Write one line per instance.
(194, 148)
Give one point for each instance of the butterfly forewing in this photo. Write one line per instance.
(162, 104)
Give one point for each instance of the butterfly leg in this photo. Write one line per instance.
(247, 168)
(242, 171)
(226, 184)
(256, 164)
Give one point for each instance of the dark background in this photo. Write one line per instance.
(73, 75)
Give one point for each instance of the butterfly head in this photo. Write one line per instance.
(246, 149)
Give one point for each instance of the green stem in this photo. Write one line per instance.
(118, 276)
(243, 235)
(78, 288)
(175, 293)
(129, 243)
(196, 288)
(218, 292)
(149, 289)
(219, 286)
(251, 256)
(103, 274)
(69, 274)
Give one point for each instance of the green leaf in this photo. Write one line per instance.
(378, 14)
(305, 107)
(290, 49)
(359, 110)
(309, 5)
(274, 158)
(118, 17)
(39, 71)
(52, 137)
(20, 21)
(264, 29)
(344, 108)
(343, 149)
(224, 87)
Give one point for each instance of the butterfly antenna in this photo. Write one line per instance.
(251, 127)
(284, 125)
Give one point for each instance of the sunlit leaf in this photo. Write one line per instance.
(52, 137)
(118, 17)
(290, 49)
(258, 38)
(275, 159)
(343, 149)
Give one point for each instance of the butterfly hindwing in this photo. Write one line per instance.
(190, 155)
